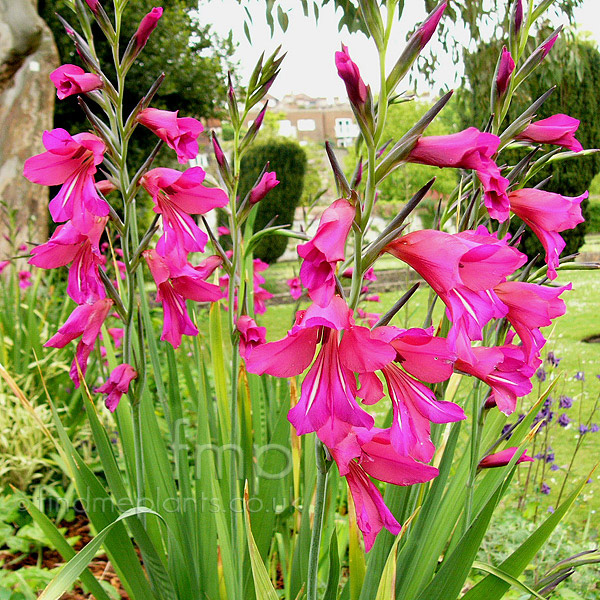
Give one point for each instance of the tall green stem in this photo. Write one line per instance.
(312, 581)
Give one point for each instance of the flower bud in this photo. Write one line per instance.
(505, 70)
(502, 458)
(267, 182)
(253, 129)
(428, 27)
(147, 26)
(140, 37)
(222, 162)
(518, 16)
(93, 5)
(350, 74)
(414, 46)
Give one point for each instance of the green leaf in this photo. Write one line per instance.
(449, 580)
(89, 582)
(506, 577)
(283, 19)
(494, 588)
(333, 581)
(387, 586)
(73, 569)
(356, 555)
(262, 581)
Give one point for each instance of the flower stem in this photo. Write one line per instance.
(317, 528)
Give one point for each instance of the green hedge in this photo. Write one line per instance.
(288, 160)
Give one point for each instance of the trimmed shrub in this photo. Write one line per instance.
(288, 160)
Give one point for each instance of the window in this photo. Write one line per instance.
(306, 125)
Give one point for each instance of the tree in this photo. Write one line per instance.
(193, 58)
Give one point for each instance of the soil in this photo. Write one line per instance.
(100, 566)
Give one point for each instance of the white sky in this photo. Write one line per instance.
(309, 65)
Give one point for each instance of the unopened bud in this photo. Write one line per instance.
(506, 66)
(147, 26)
(267, 182)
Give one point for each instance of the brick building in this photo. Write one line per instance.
(316, 120)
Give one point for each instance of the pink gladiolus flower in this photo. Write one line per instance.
(117, 334)
(505, 369)
(251, 335)
(70, 161)
(427, 357)
(24, 279)
(372, 514)
(3, 265)
(502, 458)
(179, 133)
(71, 79)
(85, 321)
(548, 214)
(223, 230)
(264, 186)
(176, 284)
(361, 453)
(505, 70)
(415, 406)
(329, 388)
(177, 196)
(427, 29)
(146, 27)
(326, 249)
(295, 286)
(117, 385)
(530, 307)
(368, 317)
(468, 149)
(372, 298)
(558, 130)
(69, 245)
(462, 269)
(348, 71)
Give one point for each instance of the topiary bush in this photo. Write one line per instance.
(288, 160)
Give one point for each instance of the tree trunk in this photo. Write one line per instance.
(27, 57)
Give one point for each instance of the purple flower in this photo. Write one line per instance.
(565, 402)
(554, 467)
(539, 456)
(580, 376)
(541, 374)
(551, 509)
(563, 420)
(552, 359)
(550, 457)
(583, 429)
(545, 489)
(594, 428)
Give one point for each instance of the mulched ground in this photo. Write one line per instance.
(100, 566)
